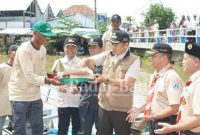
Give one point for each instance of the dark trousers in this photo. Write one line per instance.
(64, 115)
(109, 120)
(31, 112)
(154, 124)
(189, 133)
(191, 39)
(88, 110)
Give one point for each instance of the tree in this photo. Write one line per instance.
(66, 26)
(102, 27)
(163, 16)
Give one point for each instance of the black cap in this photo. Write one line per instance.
(116, 17)
(96, 41)
(119, 36)
(160, 48)
(12, 47)
(192, 49)
(69, 41)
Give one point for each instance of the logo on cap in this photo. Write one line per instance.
(114, 36)
(189, 46)
(91, 40)
(71, 40)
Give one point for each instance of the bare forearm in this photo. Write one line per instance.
(89, 61)
(187, 125)
(170, 110)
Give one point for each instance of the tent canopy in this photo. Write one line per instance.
(16, 31)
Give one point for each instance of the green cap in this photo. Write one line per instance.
(43, 28)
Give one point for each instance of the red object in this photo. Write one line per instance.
(51, 75)
(150, 97)
(182, 102)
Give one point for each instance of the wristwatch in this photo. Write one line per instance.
(107, 80)
(151, 117)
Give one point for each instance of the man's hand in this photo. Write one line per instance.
(54, 81)
(144, 120)
(132, 114)
(100, 78)
(74, 89)
(166, 128)
(81, 64)
(63, 88)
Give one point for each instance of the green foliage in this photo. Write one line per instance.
(163, 16)
(67, 25)
(64, 31)
(102, 27)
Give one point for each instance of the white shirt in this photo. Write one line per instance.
(67, 99)
(133, 70)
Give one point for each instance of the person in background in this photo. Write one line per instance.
(173, 31)
(28, 74)
(68, 95)
(115, 25)
(5, 72)
(120, 71)
(188, 119)
(194, 24)
(89, 102)
(165, 89)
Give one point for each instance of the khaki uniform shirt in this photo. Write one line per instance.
(106, 43)
(167, 91)
(5, 106)
(28, 73)
(191, 107)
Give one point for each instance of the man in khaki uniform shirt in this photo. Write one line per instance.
(27, 75)
(115, 24)
(189, 111)
(165, 87)
(5, 71)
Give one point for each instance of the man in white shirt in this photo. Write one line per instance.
(5, 72)
(68, 95)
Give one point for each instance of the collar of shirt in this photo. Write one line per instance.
(163, 70)
(116, 58)
(195, 75)
(65, 60)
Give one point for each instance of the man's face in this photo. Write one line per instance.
(12, 54)
(70, 51)
(41, 39)
(115, 24)
(157, 59)
(119, 48)
(94, 49)
(189, 63)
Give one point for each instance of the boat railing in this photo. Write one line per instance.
(179, 35)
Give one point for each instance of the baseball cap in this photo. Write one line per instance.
(96, 41)
(43, 28)
(119, 36)
(192, 49)
(12, 47)
(160, 48)
(69, 41)
(115, 17)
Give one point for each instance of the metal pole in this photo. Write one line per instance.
(95, 16)
(24, 19)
